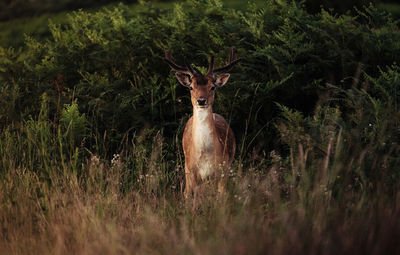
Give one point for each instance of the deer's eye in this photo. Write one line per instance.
(213, 88)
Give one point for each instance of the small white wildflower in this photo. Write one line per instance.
(115, 160)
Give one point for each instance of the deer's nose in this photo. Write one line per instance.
(202, 101)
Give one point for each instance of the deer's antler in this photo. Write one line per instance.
(188, 69)
(231, 62)
(211, 66)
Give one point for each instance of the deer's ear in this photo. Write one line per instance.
(221, 80)
(183, 79)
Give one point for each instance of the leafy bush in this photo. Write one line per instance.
(315, 6)
(110, 61)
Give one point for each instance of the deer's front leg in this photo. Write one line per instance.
(190, 183)
(222, 178)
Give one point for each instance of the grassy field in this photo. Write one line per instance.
(91, 209)
(91, 126)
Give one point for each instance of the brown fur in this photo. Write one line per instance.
(222, 150)
(208, 141)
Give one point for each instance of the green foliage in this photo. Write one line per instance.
(336, 6)
(110, 61)
(353, 132)
(13, 32)
(73, 122)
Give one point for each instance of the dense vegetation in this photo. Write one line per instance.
(92, 118)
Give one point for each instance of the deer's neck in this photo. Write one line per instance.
(203, 129)
(205, 141)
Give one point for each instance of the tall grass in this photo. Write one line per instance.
(90, 214)
(315, 201)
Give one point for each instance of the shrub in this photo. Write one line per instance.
(111, 62)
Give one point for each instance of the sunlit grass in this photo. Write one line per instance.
(58, 198)
(91, 211)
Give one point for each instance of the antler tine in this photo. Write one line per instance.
(227, 68)
(167, 54)
(189, 66)
(231, 62)
(176, 67)
(211, 66)
(232, 55)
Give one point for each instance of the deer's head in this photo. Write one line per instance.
(202, 86)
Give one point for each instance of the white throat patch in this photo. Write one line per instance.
(204, 143)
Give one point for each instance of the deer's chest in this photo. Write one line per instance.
(204, 150)
(203, 139)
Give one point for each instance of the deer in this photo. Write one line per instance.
(208, 141)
